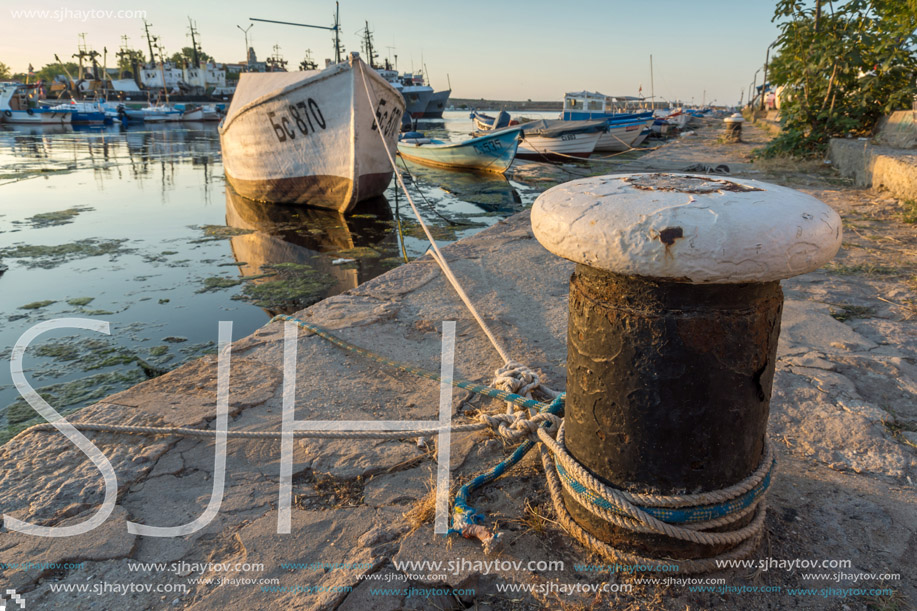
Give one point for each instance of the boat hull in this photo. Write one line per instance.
(36, 117)
(416, 100)
(619, 137)
(331, 157)
(437, 105)
(539, 148)
(492, 153)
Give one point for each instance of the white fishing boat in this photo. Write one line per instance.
(621, 136)
(207, 112)
(19, 104)
(558, 140)
(159, 113)
(312, 137)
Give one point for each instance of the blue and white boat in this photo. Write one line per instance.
(19, 104)
(624, 128)
(490, 153)
(485, 123)
(83, 113)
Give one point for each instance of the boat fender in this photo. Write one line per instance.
(30, 111)
(7, 113)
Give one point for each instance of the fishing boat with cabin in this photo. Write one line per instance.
(18, 104)
(312, 137)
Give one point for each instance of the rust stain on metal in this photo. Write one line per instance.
(668, 235)
(685, 184)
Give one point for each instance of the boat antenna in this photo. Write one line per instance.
(336, 28)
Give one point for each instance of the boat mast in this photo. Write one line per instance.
(149, 41)
(652, 84)
(336, 28)
(195, 57)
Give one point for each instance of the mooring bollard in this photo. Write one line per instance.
(734, 127)
(675, 308)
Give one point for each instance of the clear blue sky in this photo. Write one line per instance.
(505, 49)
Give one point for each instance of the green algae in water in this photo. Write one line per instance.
(218, 232)
(49, 256)
(295, 286)
(218, 282)
(66, 397)
(80, 301)
(54, 219)
(89, 354)
(158, 350)
(37, 304)
(359, 252)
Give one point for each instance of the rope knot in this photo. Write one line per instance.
(516, 378)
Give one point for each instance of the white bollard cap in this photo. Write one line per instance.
(734, 118)
(686, 228)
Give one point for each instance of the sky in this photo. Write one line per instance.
(703, 50)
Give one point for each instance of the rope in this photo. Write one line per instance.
(682, 517)
(436, 253)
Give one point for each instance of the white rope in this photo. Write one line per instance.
(436, 253)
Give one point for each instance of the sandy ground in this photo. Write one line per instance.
(844, 422)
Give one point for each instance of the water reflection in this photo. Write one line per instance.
(345, 250)
(488, 191)
(106, 151)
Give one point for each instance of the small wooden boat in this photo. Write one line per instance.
(486, 123)
(491, 153)
(557, 140)
(620, 136)
(311, 137)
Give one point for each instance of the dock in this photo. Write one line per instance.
(843, 422)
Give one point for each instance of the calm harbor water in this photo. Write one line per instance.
(137, 227)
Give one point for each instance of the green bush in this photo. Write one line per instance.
(842, 66)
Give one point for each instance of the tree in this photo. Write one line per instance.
(187, 55)
(51, 71)
(842, 67)
(5, 72)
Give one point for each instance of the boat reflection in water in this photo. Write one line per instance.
(490, 192)
(335, 252)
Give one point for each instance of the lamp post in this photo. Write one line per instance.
(767, 59)
(245, 32)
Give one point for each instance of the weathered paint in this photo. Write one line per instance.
(673, 325)
(733, 231)
(311, 137)
(668, 387)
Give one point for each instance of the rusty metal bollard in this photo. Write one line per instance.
(733, 128)
(675, 308)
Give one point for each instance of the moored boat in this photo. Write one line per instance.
(437, 104)
(490, 153)
(485, 123)
(620, 136)
(312, 137)
(18, 106)
(558, 140)
(82, 113)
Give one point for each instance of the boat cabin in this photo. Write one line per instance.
(15, 96)
(585, 105)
